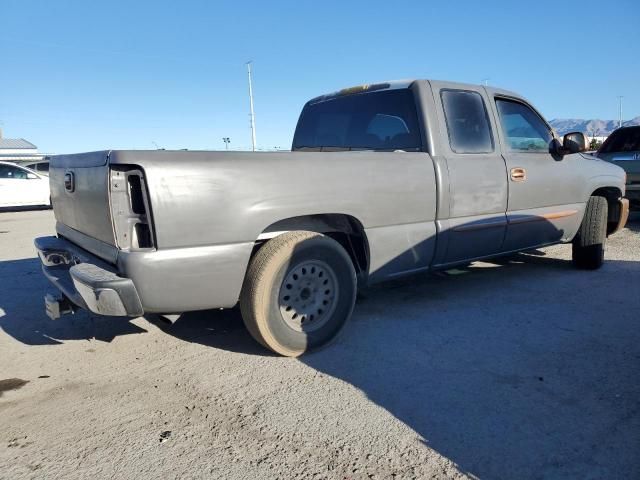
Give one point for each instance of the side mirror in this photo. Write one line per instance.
(574, 142)
(32, 176)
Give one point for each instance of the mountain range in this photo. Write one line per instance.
(593, 128)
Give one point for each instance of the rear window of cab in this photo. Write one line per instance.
(383, 120)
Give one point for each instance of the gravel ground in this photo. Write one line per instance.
(524, 368)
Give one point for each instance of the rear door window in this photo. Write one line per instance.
(467, 121)
(384, 120)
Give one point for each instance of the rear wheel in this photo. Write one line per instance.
(588, 244)
(299, 292)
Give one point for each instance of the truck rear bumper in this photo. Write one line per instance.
(85, 281)
(158, 281)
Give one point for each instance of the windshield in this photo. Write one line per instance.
(622, 140)
(384, 120)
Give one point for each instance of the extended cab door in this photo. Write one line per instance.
(545, 204)
(472, 217)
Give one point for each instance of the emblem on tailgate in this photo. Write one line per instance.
(69, 181)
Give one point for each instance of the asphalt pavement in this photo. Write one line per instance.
(520, 368)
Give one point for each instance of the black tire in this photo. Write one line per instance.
(588, 244)
(324, 292)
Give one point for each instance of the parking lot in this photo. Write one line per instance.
(522, 368)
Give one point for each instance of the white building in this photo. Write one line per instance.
(18, 150)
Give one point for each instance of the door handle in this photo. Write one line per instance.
(518, 174)
(69, 182)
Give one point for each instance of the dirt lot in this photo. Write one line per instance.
(524, 368)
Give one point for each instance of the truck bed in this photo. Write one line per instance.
(199, 213)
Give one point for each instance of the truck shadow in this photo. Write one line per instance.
(506, 370)
(502, 367)
(22, 311)
(221, 329)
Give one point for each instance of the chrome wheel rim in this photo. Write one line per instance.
(308, 295)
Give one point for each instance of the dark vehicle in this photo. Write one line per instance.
(623, 149)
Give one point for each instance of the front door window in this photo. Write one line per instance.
(523, 128)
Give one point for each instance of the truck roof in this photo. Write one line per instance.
(406, 83)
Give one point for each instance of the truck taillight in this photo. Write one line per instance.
(131, 210)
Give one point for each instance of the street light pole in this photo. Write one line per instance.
(620, 97)
(252, 114)
(226, 141)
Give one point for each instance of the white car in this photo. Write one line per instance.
(20, 186)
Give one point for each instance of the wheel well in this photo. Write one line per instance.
(612, 194)
(344, 229)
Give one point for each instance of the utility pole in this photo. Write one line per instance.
(620, 97)
(252, 114)
(226, 141)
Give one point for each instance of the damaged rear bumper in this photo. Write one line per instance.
(85, 281)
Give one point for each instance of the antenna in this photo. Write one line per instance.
(252, 114)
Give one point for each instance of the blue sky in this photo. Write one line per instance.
(78, 75)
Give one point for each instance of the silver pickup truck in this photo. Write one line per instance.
(383, 180)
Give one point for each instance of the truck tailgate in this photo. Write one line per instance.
(80, 195)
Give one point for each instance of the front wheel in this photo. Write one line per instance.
(298, 293)
(588, 244)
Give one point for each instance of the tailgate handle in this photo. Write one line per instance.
(69, 182)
